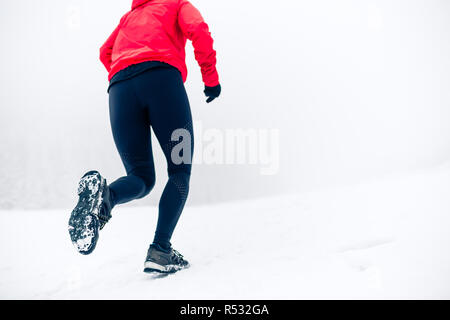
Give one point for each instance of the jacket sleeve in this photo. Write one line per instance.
(195, 29)
(107, 48)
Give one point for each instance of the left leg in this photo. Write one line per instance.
(169, 114)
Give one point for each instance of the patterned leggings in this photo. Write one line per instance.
(154, 99)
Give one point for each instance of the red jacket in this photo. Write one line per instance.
(157, 30)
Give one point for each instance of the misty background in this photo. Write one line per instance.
(357, 89)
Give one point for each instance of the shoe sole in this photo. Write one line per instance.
(83, 222)
(152, 267)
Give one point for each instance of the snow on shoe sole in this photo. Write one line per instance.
(83, 222)
(152, 267)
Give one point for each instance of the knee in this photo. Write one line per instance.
(149, 182)
(180, 175)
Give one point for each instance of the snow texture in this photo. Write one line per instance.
(387, 238)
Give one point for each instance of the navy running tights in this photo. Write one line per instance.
(153, 99)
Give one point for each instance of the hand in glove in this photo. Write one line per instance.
(212, 92)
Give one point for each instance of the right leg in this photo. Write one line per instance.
(132, 136)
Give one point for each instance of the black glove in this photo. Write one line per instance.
(212, 92)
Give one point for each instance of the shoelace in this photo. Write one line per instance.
(178, 256)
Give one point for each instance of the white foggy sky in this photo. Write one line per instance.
(357, 89)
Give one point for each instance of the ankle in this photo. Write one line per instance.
(161, 247)
(110, 199)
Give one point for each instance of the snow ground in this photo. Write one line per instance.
(384, 239)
